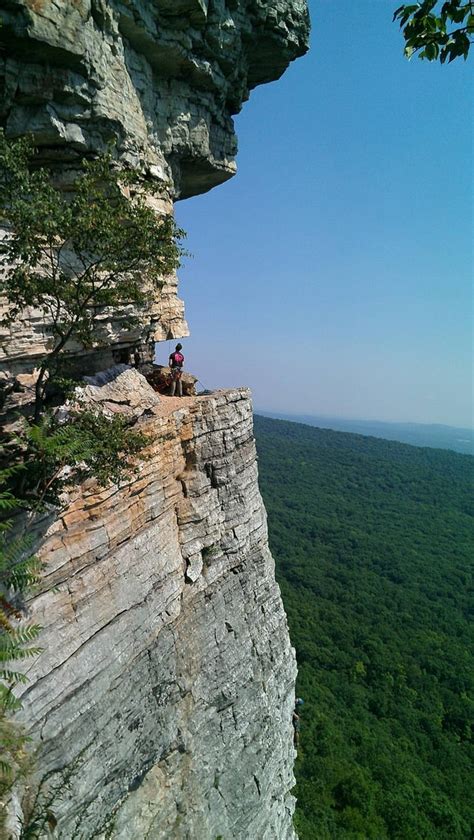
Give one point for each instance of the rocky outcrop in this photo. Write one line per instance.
(161, 78)
(166, 685)
(161, 705)
(118, 390)
(158, 79)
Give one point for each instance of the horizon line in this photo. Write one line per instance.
(468, 429)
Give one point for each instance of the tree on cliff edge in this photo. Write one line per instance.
(73, 255)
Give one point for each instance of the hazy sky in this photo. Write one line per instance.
(333, 273)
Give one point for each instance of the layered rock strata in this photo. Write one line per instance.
(165, 690)
(157, 79)
(161, 78)
(166, 686)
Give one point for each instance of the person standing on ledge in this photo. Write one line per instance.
(176, 362)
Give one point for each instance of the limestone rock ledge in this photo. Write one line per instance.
(166, 685)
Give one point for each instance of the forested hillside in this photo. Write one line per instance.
(374, 548)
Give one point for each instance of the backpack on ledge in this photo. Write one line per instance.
(177, 359)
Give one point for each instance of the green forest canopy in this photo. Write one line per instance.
(373, 542)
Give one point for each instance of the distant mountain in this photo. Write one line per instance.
(434, 435)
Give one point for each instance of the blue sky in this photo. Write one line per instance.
(333, 273)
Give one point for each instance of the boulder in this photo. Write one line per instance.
(119, 390)
(159, 377)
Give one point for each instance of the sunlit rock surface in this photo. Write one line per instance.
(165, 690)
(161, 78)
(156, 80)
(166, 685)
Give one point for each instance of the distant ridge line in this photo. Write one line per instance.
(433, 435)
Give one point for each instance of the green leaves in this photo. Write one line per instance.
(12, 647)
(73, 255)
(89, 444)
(428, 29)
(18, 572)
(373, 544)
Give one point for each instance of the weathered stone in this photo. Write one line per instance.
(159, 79)
(159, 377)
(119, 389)
(166, 683)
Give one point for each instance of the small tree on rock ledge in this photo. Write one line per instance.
(72, 255)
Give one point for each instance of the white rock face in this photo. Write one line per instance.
(120, 389)
(161, 81)
(166, 685)
(162, 78)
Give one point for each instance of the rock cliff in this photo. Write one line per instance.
(161, 705)
(161, 78)
(165, 690)
(158, 79)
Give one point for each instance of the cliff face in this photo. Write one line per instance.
(161, 78)
(165, 690)
(166, 685)
(158, 79)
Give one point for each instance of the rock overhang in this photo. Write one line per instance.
(161, 79)
(156, 81)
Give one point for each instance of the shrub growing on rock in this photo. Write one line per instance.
(74, 254)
